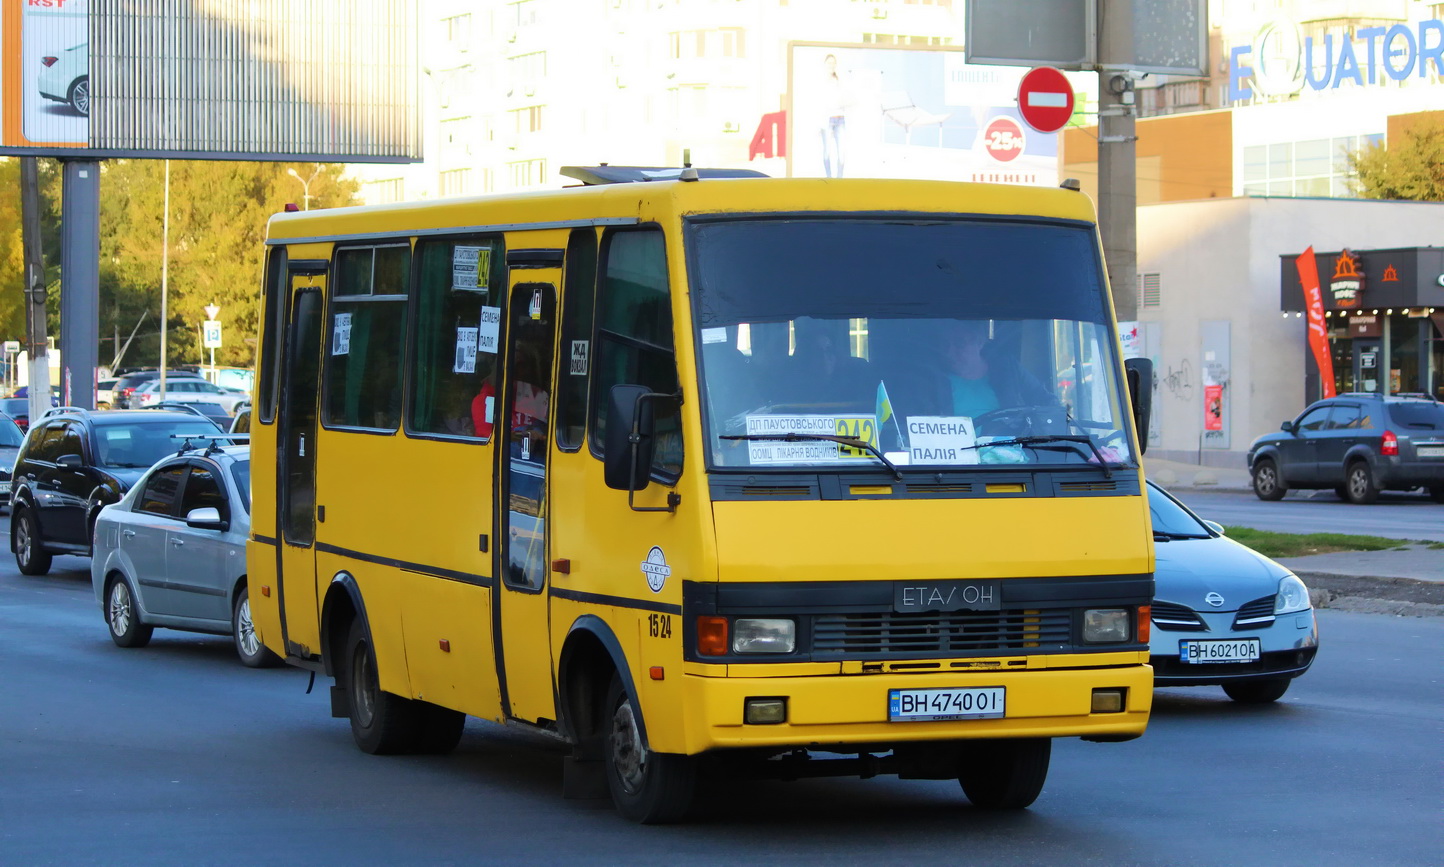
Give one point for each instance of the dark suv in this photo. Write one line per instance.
(124, 388)
(1358, 444)
(74, 463)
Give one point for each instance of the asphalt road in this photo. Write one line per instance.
(1394, 516)
(175, 754)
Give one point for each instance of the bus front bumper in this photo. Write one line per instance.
(841, 711)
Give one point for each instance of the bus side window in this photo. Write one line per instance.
(579, 283)
(634, 339)
(275, 309)
(362, 380)
(459, 285)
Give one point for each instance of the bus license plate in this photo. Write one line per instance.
(1230, 650)
(919, 705)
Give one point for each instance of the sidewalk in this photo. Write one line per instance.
(1407, 581)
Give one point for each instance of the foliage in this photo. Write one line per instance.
(1411, 167)
(218, 214)
(1272, 544)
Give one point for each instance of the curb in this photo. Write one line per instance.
(1374, 594)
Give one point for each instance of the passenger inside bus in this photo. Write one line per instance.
(822, 372)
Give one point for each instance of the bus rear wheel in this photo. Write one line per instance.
(647, 787)
(1004, 775)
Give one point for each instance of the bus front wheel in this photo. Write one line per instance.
(1004, 775)
(382, 723)
(647, 787)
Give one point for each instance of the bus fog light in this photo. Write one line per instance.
(1109, 700)
(753, 635)
(1103, 625)
(764, 711)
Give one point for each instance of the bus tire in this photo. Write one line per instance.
(1004, 774)
(648, 788)
(438, 729)
(382, 723)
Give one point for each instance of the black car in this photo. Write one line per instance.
(74, 463)
(1358, 444)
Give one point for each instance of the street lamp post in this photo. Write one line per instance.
(305, 185)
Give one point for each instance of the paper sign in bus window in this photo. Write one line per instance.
(940, 439)
(465, 350)
(859, 427)
(341, 335)
(489, 334)
(581, 349)
(469, 267)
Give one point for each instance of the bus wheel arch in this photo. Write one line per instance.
(341, 607)
(590, 657)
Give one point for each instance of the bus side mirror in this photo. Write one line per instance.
(631, 429)
(1140, 393)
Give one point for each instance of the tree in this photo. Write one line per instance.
(1410, 167)
(218, 214)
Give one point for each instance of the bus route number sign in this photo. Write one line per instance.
(859, 428)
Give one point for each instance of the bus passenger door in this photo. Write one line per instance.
(523, 442)
(296, 569)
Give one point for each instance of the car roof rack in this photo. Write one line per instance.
(605, 174)
(215, 438)
(57, 410)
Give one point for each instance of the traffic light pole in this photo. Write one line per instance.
(1118, 155)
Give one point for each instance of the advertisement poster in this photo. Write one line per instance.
(903, 113)
(54, 75)
(1213, 407)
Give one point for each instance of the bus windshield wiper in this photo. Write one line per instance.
(1042, 441)
(792, 437)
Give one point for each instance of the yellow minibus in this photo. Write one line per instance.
(703, 472)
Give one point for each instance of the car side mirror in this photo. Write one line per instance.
(1139, 372)
(1287, 427)
(206, 518)
(70, 462)
(1216, 527)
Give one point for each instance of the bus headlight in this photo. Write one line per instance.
(1105, 625)
(1293, 595)
(756, 635)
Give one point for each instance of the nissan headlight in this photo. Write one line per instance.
(1293, 596)
(758, 635)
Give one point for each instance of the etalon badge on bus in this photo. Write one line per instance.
(656, 569)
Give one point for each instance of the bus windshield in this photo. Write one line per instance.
(923, 341)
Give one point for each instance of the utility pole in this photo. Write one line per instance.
(36, 342)
(1118, 155)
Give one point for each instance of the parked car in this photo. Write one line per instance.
(66, 77)
(18, 409)
(74, 463)
(186, 390)
(125, 386)
(102, 393)
(213, 411)
(10, 439)
(1358, 444)
(1223, 614)
(172, 552)
(241, 424)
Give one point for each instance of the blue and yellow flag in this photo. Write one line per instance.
(884, 406)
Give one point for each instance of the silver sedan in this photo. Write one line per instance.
(172, 552)
(1223, 614)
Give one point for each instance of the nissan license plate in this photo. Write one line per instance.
(1227, 650)
(4, 487)
(1430, 451)
(920, 705)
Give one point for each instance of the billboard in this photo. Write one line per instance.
(210, 79)
(913, 113)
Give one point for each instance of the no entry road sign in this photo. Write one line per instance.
(1045, 99)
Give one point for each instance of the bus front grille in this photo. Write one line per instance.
(957, 633)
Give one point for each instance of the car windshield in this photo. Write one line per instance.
(10, 433)
(241, 472)
(941, 343)
(1171, 519)
(136, 445)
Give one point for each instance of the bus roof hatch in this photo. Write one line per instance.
(604, 174)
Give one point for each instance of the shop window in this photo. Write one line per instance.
(362, 380)
(458, 318)
(634, 339)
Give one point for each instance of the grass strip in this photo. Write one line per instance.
(1272, 544)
